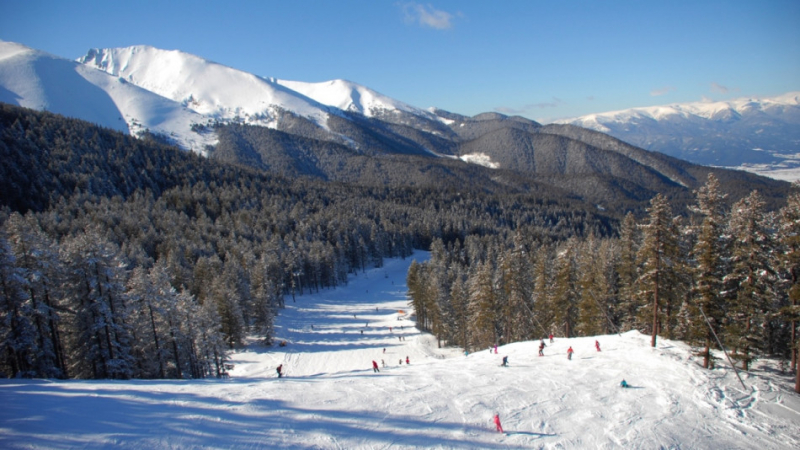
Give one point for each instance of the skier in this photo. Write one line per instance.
(505, 361)
(570, 352)
(497, 423)
(280, 371)
(375, 367)
(541, 348)
(624, 384)
(495, 349)
(597, 345)
(384, 350)
(551, 338)
(407, 361)
(383, 364)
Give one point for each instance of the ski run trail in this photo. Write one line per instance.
(331, 398)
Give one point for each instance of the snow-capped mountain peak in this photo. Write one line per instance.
(750, 133)
(349, 96)
(206, 87)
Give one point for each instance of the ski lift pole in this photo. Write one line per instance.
(723, 348)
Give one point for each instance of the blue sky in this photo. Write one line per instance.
(539, 59)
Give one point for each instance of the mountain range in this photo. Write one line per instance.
(341, 131)
(759, 134)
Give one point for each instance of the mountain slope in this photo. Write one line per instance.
(38, 80)
(331, 398)
(741, 132)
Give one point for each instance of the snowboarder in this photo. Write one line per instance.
(407, 361)
(551, 338)
(570, 351)
(624, 384)
(541, 348)
(505, 361)
(497, 423)
(375, 367)
(597, 345)
(280, 371)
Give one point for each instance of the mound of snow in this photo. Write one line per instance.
(331, 398)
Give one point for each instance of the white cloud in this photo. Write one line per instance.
(716, 87)
(662, 91)
(427, 16)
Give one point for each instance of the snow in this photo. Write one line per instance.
(38, 80)
(703, 109)
(208, 88)
(349, 96)
(332, 399)
(481, 159)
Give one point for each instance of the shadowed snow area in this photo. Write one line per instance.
(332, 399)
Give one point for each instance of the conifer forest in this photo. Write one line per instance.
(127, 258)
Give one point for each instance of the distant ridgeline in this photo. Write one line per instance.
(134, 259)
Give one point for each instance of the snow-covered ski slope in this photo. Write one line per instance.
(332, 399)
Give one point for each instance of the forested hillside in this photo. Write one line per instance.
(726, 273)
(127, 258)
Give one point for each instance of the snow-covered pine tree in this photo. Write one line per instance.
(709, 257)
(751, 280)
(17, 330)
(102, 341)
(789, 236)
(658, 258)
(41, 269)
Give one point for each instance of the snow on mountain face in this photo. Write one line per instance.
(757, 134)
(205, 87)
(349, 96)
(38, 80)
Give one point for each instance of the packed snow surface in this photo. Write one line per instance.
(332, 399)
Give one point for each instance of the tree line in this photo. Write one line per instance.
(709, 276)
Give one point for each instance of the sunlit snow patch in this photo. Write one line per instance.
(481, 159)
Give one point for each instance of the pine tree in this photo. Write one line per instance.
(709, 258)
(565, 291)
(41, 270)
(789, 235)
(483, 306)
(514, 285)
(658, 258)
(101, 330)
(750, 281)
(17, 332)
(626, 271)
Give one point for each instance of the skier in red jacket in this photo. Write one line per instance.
(375, 367)
(597, 345)
(570, 352)
(497, 422)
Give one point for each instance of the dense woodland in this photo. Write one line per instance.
(124, 258)
(127, 258)
(725, 276)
